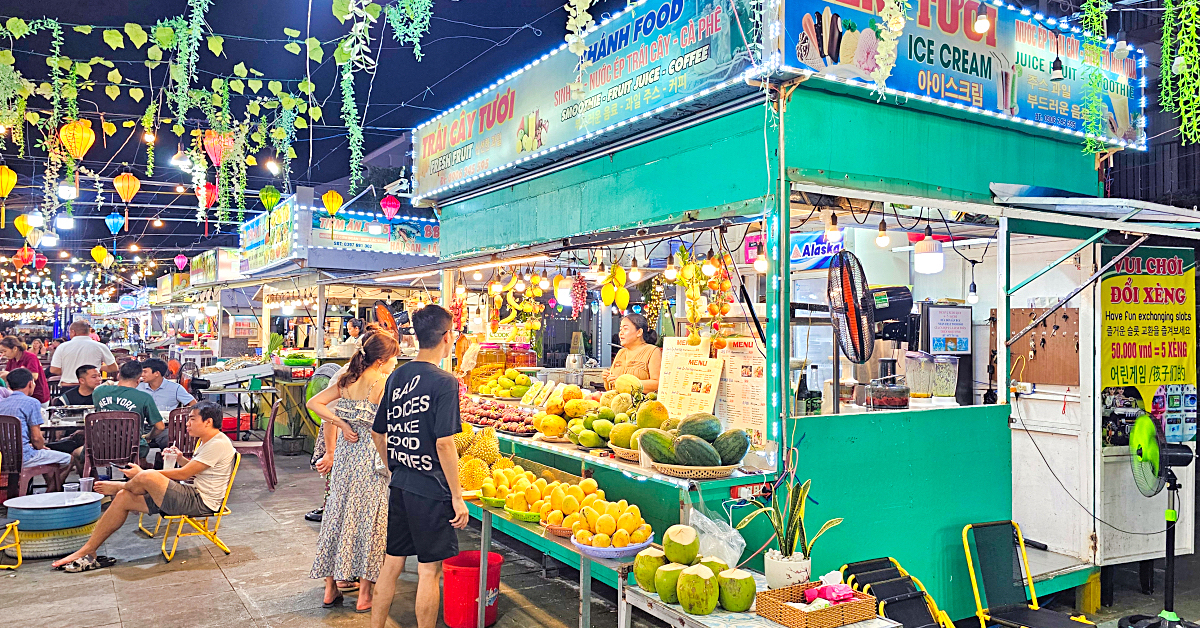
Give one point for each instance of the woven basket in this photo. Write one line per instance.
(772, 604)
(632, 455)
(694, 473)
(492, 502)
(558, 531)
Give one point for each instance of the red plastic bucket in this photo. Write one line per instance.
(461, 589)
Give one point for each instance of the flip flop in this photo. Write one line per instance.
(337, 601)
(350, 586)
(84, 563)
(362, 610)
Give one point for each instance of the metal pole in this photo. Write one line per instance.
(485, 547)
(585, 591)
(321, 304)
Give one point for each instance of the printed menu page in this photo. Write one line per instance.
(742, 395)
(689, 379)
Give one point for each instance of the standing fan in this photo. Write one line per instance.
(1151, 459)
(851, 309)
(384, 318)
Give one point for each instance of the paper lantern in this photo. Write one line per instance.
(114, 221)
(108, 262)
(127, 186)
(217, 145)
(181, 260)
(77, 137)
(269, 197)
(23, 256)
(390, 205)
(333, 201)
(207, 195)
(99, 253)
(22, 225)
(8, 180)
(39, 261)
(34, 237)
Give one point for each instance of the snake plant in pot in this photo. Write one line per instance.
(791, 563)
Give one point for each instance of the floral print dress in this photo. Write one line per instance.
(353, 536)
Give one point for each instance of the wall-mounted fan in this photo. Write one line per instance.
(1151, 458)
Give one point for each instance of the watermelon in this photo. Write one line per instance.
(701, 424)
(669, 424)
(694, 451)
(658, 445)
(732, 446)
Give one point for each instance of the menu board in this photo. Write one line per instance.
(1148, 335)
(949, 329)
(688, 379)
(742, 395)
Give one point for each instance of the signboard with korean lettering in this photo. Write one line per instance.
(1005, 72)
(1147, 337)
(656, 60)
(365, 232)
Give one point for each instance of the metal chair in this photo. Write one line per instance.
(110, 438)
(264, 450)
(177, 433)
(10, 528)
(11, 459)
(1004, 574)
(900, 596)
(198, 524)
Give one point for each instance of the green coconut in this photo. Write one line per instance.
(697, 590)
(737, 590)
(645, 564)
(681, 544)
(666, 581)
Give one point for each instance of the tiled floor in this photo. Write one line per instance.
(263, 582)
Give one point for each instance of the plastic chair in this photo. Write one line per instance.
(110, 438)
(12, 457)
(177, 433)
(198, 524)
(264, 450)
(1004, 572)
(55, 382)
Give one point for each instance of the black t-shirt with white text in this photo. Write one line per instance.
(419, 406)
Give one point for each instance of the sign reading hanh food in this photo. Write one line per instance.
(1007, 71)
(645, 61)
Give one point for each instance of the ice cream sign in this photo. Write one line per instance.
(1005, 72)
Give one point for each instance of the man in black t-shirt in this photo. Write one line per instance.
(414, 431)
(81, 395)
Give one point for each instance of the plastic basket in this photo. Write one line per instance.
(632, 455)
(531, 517)
(612, 553)
(695, 473)
(492, 502)
(773, 604)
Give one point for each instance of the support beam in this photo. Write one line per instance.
(1065, 257)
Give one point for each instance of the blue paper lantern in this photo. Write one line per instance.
(114, 221)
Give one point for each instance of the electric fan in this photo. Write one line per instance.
(317, 383)
(384, 318)
(851, 310)
(1151, 458)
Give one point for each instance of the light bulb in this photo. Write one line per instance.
(158, 222)
(982, 22)
(544, 284)
(35, 220)
(527, 275)
(63, 255)
(928, 258)
(210, 310)
(520, 287)
(832, 232)
(288, 309)
(1056, 69)
(760, 261)
(375, 228)
(134, 248)
(882, 240)
(477, 276)
(272, 167)
(179, 189)
(64, 222)
(671, 272)
(460, 290)
(148, 137)
(50, 239)
(972, 296)
(354, 301)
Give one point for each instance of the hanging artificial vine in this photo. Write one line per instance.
(353, 128)
(893, 17)
(1166, 85)
(183, 69)
(148, 127)
(1186, 67)
(409, 20)
(578, 23)
(1095, 30)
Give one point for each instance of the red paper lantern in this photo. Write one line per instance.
(390, 205)
(39, 261)
(23, 257)
(207, 195)
(217, 145)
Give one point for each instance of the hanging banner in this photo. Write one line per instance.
(810, 249)
(267, 238)
(1148, 339)
(640, 65)
(412, 236)
(1004, 72)
(204, 267)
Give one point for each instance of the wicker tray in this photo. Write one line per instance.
(694, 473)
(472, 495)
(551, 439)
(558, 530)
(531, 517)
(492, 502)
(772, 604)
(632, 455)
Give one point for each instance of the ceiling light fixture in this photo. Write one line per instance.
(671, 272)
(64, 222)
(983, 23)
(272, 167)
(928, 258)
(760, 260)
(882, 240)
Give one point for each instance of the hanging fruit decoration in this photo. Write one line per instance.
(691, 279)
(34, 237)
(39, 261)
(181, 260)
(613, 291)
(8, 180)
(578, 295)
(269, 196)
(389, 204)
(333, 201)
(22, 224)
(127, 186)
(99, 253)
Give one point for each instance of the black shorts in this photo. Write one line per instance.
(420, 522)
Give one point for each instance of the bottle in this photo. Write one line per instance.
(814, 397)
(800, 407)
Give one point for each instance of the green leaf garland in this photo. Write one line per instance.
(353, 128)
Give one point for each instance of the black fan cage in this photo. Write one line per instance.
(850, 311)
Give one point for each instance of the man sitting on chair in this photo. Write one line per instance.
(161, 492)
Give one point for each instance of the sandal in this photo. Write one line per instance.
(337, 601)
(347, 586)
(87, 563)
(362, 610)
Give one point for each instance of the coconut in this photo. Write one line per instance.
(697, 590)
(647, 562)
(666, 580)
(681, 544)
(714, 563)
(737, 590)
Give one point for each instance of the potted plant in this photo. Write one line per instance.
(791, 563)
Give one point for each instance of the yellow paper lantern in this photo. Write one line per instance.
(22, 225)
(99, 253)
(8, 180)
(77, 137)
(333, 201)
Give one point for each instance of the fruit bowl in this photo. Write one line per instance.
(492, 502)
(695, 473)
(611, 552)
(521, 515)
(632, 455)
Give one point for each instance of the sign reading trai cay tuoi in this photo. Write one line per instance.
(1004, 72)
(647, 60)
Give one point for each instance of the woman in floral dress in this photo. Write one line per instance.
(353, 535)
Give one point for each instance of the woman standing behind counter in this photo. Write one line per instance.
(638, 355)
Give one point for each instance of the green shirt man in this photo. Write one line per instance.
(121, 398)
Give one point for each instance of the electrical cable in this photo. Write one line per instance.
(901, 225)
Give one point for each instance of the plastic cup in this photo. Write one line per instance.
(85, 484)
(169, 461)
(71, 487)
